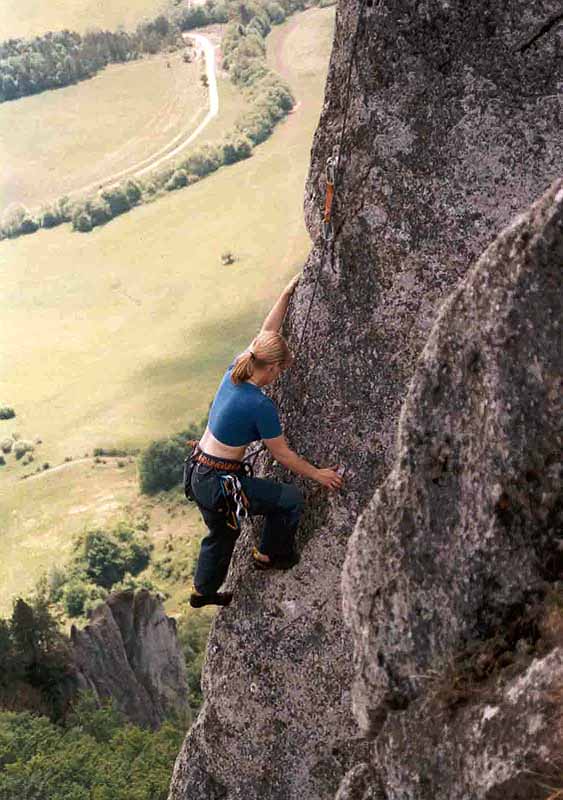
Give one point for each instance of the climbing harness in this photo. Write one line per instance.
(236, 503)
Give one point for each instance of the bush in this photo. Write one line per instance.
(236, 148)
(2, 461)
(50, 217)
(56, 580)
(204, 160)
(275, 12)
(161, 466)
(7, 413)
(117, 199)
(178, 179)
(256, 126)
(99, 211)
(81, 221)
(74, 597)
(22, 447)
(133, 192)
(114, 451)
(18, 220)
(6, 445)
(104, 558)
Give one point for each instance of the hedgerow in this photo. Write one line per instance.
(244, 57)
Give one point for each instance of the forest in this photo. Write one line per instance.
(60, 58)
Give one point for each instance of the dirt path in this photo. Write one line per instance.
(180, 141)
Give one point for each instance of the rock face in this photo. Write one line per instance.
(129, 651)
(465, 537)
(453, 127)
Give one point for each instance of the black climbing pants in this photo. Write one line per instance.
(281, 504)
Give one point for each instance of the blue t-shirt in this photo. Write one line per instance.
(241, 413)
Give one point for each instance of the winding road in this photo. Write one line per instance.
(181, 140)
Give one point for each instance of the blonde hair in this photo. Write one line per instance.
(268, 347)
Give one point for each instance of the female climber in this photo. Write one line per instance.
(219, 482)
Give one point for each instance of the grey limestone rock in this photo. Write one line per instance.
(454, 126)
(467, 531)
(129, 652)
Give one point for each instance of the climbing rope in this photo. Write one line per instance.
(332, 180)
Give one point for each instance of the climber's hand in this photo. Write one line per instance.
(292, 284)
(329, 478)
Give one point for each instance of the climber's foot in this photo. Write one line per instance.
(262, 562)
(215, 599)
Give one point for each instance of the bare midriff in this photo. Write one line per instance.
(213, 447)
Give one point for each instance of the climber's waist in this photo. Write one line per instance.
(217, 463)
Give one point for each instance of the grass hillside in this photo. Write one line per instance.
(24, 18)
(59, 141)
(120, 336)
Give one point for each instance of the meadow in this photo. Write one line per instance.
(67, 139)
(25, 18)
(120, 336)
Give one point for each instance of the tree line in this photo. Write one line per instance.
(270, 99)
(29, 66)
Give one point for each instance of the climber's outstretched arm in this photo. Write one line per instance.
(281, 451)
(274, 320)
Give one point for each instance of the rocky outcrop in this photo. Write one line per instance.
(453, 128)
(129, 652)
(464, 538)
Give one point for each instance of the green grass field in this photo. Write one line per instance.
(23, 18)
(120, 336)
(62, 140)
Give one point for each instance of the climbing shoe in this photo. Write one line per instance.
(275, 562)
(215, 599)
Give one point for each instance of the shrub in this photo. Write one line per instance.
(74, 597)
(2, 461)
(81, 221)
(275, 12)
(99, 211)
(256, 126)
(114, 451)
(133, 192)
(236, 148)
(6, 445)
(117, 199)
(178, 179)
(56, 580)
(17, 220)
(161, 466)
(22, 447)
(50, 217)
(7, 413)
(204, 160)
(105, 557)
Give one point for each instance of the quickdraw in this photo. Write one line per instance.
(331, 163)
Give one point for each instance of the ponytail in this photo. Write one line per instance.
(243, 368)
(269, 347)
